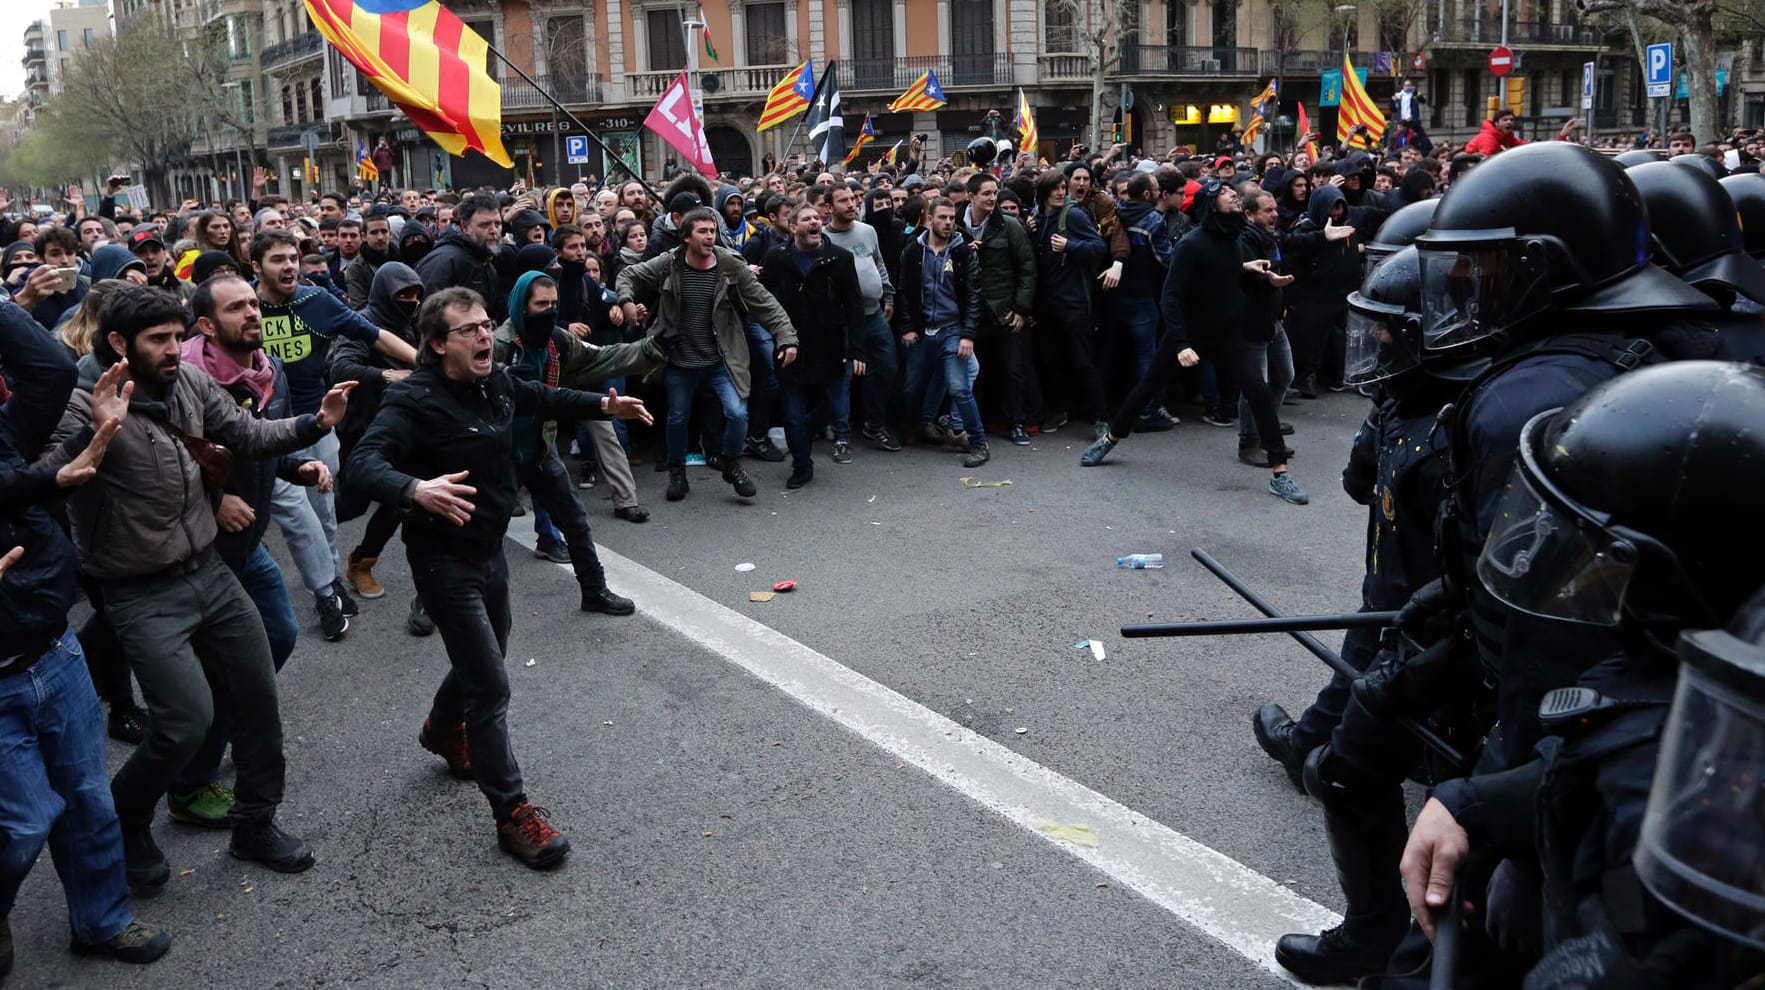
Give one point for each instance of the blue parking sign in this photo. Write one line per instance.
(1659, 70)
(576, 150)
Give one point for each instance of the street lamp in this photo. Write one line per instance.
(1346, 11)
(238, 156)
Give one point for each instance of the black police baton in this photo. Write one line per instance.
(1443, 967)
(1296, 627)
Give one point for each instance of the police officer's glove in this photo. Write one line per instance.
(1403, 682)
(1430, 615)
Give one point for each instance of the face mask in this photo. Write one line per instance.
(408, 307)
(540, 324)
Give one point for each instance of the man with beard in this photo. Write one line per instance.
(145, 530)
(228, 347)
(874, 338)
(1206, 296)
(299, 326)
(443, 446)
(465, 254)
(376, 250)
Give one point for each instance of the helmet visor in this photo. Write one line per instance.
(1547, 561)
(1378, 346)
(1474, 290)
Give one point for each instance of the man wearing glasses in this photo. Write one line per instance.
(443, 447)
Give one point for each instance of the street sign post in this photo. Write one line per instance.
(1501, 61)
(576, 150)
(1587, 85)
(1660, 70)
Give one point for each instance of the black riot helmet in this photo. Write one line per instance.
(1697, 232)
(1385, 319)
(1699, 850)
(1747, 190)
(1703, 163)
(1637, 504)
(1640, 156)
(1399, 230)
(982, 151)
(1544, 226)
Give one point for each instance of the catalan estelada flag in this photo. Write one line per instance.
(790, 97)
(1260, 103)
(924, 94)
(365, 169)
(1357, 108)
(1027, 136)
(425, 61)
(1252, 129)
(866, 134)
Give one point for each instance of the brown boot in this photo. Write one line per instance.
(361, 577)
(450, 745)
(528, 837)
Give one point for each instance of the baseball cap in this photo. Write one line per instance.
(141, 238)
(1222, 160)
(684, 201)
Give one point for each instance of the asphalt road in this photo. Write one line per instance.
(726, 835)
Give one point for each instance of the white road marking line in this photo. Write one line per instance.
(1210, 891)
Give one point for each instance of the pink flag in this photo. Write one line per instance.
(675, 120)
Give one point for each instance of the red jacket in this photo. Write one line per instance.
(1489, 141)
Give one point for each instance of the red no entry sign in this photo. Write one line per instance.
(1501, 61)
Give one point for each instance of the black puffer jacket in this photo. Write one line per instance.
(825, 306)
(1204, 295)
(459, 260)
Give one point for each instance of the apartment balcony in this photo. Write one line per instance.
(309, 44)
(35, 56)
(1485, 32)
(572, 89)
(1302, 62)
(953, 72)
(1063, 68)
(1160, 61)
(747, 81)
(285, 136)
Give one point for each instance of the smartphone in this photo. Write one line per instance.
(70, 277)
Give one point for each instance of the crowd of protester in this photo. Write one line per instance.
(175, 381)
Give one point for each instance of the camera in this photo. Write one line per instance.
(921, 138)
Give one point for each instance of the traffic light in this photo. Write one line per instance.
(1517, 94)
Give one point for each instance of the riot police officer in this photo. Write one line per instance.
(1697, 236)
(1632, 510)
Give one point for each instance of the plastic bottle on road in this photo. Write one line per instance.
(1141, 561)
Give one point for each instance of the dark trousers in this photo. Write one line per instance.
(1316, 332)
(1008, 373)
(763, 393)
(882, 367)
(1240, 366)
(1164, 366)
(104, 658)
(469, 601)
(1071, 380)
(381, 525)
(183, 630)
(553, 492)
(1320, 719)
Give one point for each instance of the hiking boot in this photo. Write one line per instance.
(739, 480)
(606, 603)
(418, 622)
(632, 514)
(956, 442)
(344, 601)
(1253, 455)
(881, 436)
(677, 483)
(1019, 436)
(1098, 450)
(361, 577)
(205, 807)
(763, 449)
(799, 477)
(930, 434)
(978, 454)
(1336, 956)
(127, 724)
(449, 745)
(842, 452)
(266, 843)
(1278, 735)
(144, 866)
(552, 550)
(332, 622)
(528, 837)
(135, 944)
(1285, 488)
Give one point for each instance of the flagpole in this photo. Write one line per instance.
(612, 155)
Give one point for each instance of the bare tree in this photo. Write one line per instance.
(1101, 29)
(1699, 26)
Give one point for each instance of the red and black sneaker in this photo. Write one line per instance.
(449, 745)
(528, 837)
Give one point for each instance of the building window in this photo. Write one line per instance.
(247, 105)
(238, 39)
(768, 41)
(287, 104)
(873, 44)
(90, 38)
(667, 39)
(971, 37)
(1176, 24)
(1474, 109)
(1058, 29)
(318, 100)
(300, 104)
(61, 40)
(566, 58)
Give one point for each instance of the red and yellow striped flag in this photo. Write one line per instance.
(1028, 138)
(427, 62)
(1357, 108)
(790, 97)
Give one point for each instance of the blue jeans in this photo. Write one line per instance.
(957, 382)
(54, 789)
(682, 384)
(262, 580)
(1137, 318)
(763, 384)
(831, 399)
